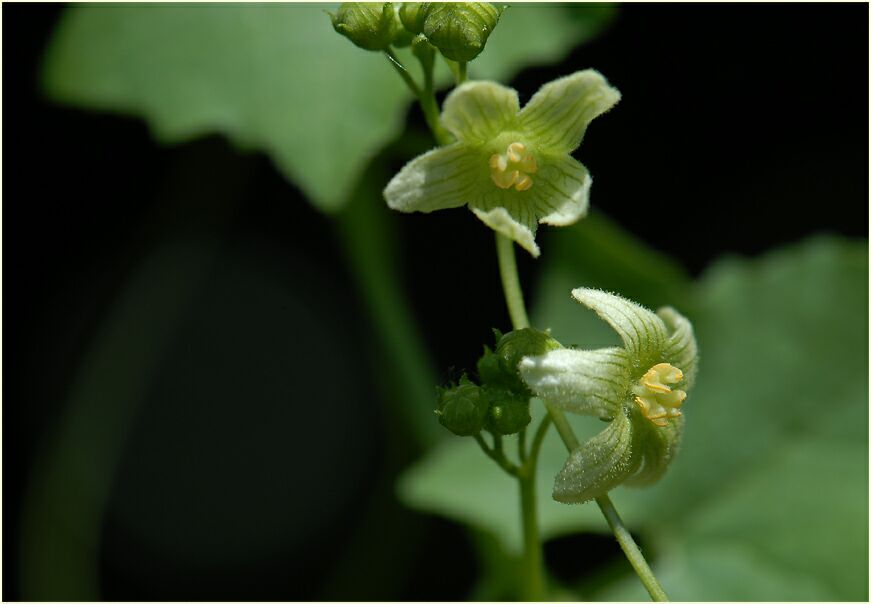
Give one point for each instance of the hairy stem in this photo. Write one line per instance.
(631, 549)
(519, 319)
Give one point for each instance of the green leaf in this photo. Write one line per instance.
(768, 498)
(271, 77)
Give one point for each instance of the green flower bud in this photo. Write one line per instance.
(490, 370)
(463, 408)
(369, 25)
(515, 345)
(413, 15)
(402, 38)
(509, 412)
(458, 29)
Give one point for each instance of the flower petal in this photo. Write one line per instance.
(643, 333)
(680, 349)
(599, 465)
(655, 447)
(559, 113)
(476, 112)
(518, 224)
(443, 178)
(587, 382)
(561, 191)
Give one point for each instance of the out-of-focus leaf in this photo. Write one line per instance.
(272, 77)
(769, 497)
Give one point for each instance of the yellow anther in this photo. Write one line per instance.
(515, 152)
(657, 401)
(512, 168)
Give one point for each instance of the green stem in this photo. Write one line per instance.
(563, 427)
(497, 455)
(519, 319)
(533, 563)
(539, 436)
(462, 72)
(403, 73)
(631, 549)
(425, 97)
(521, 446)
(511, 282)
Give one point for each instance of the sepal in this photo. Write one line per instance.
(369, 25)
(460, 29)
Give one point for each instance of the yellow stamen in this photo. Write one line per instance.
(656, 400)
(512, 168)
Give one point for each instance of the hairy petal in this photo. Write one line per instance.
(587, 382)
(680, 349)
(561, 193)
(559, 113)
(655, 447)
(643, 333)
(515, 221)
(443, 178)
(476, 112)
(599, 465)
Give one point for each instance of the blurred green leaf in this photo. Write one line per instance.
(271, 77)
(769, 497)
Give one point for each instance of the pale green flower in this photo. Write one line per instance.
(512, 167)
(639, 389)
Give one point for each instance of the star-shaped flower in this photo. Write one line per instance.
(638, 389)
(512, 167)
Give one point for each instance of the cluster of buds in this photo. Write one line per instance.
(499, 403)
(458, 30)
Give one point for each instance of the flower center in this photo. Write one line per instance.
(656, 400)
(512, 168)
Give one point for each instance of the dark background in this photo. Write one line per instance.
(742, 127)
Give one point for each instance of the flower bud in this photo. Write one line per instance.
(413, 15)
(458, 29)
(369, 25)
(463, 408)
(509, 412)
(515, 345)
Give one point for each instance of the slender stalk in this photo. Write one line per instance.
(533, 563)
(462, 72)
(631, 549)
(519, 318)
(539, 436)
(403, 73)
(563, 427)
(511, 282)
(425, 97)
(521, 446)
(497, 455)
